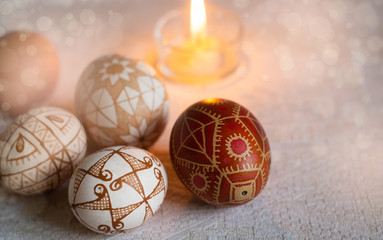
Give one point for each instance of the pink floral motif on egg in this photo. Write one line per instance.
(117, 189)
(121, 101)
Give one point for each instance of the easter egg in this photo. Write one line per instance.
(220, 152)
(121, 101)
(29, 69)
(40, 150)
(117, 189)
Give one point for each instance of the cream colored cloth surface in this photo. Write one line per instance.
(314, 79)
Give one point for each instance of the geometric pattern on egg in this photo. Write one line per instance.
(121, 101)
(40, 150)
(220, 152)
(117, 189)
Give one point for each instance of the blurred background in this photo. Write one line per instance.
(313, 76)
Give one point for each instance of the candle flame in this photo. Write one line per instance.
(211, 100)
(197, 20)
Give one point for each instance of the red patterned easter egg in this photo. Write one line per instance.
(220, 152)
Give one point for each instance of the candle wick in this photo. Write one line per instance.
(199, 38)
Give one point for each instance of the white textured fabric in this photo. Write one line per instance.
(314, 80)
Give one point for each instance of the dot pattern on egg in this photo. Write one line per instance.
(117, 189)
(40, 150)
(121, 101)
(220, 152)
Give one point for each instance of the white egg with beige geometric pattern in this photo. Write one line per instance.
(40, 150)
(121, 101)
(117, 189)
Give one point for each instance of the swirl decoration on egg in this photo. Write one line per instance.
(131, 178)
(97, 171)
(155, 159)
(123, 187)
(104, 228)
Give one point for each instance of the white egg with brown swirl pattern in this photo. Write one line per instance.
(117, 189)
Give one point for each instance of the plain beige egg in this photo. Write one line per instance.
(29, 69)
(121, 101)
(40, 150)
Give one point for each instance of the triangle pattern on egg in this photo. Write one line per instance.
(59, 120)
(40, 175)
(128, 100)
(52, 169)
(31, 124)
(27, 180)
(153, 92)
(45, 167)
(48, 136)
(192, 141)
(76, 147)
(90, 107)
(14, 181)
(61, 160)
(52, 146)
(146, 87)
(102, 110)
(41, 134)
(31, 174)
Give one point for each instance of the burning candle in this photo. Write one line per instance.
(200, 47)
(198, 21)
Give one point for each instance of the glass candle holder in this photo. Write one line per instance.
(213, 59)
